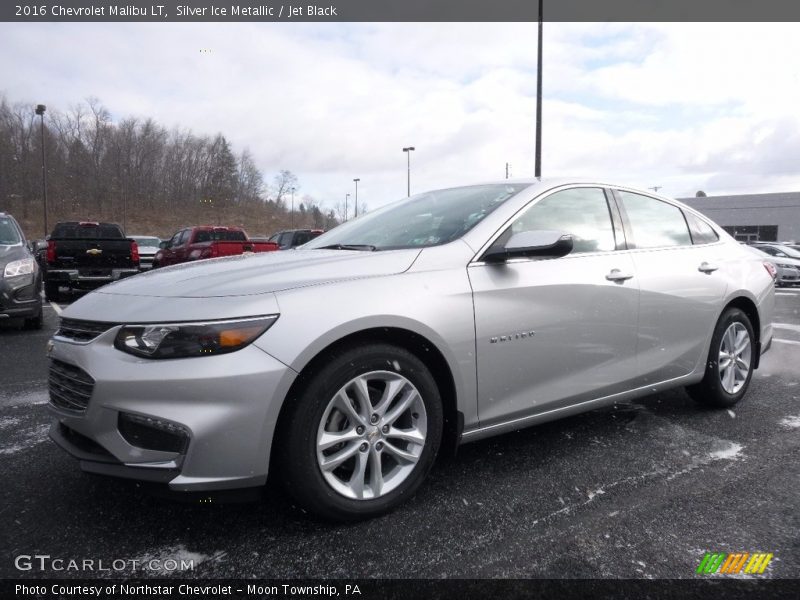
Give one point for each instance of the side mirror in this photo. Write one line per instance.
(531, 244)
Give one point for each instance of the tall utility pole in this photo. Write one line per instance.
(356, 180)
(506, 170)
(292, 190)
(538, 167)
(40, 108)
(346, 198)
(408, 152)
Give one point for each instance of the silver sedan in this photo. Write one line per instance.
(344, 367)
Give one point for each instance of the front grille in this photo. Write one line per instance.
(70, 386)
(81, 331)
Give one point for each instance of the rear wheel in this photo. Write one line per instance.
(362, 434)
(51, 292)
(730, 362)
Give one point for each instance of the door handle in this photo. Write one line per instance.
(707, 267)
(618, 276)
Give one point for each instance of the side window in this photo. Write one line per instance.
(655, 224)
(183, 237)
(702, 232)
(285, 239)
(582, 212)
(175, 239)
(302, 238)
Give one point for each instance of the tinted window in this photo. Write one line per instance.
(582, 212)
(228, 236)
(8, 232)
(655, 224)
(301, 238)
(702, 232)
(92, 232)
(285, 239)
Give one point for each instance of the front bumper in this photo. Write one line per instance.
(19, 297)
(227, 405)
(74, 279)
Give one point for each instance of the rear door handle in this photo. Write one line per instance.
(707, 267)
(618, 276)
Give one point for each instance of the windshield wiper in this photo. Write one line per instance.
(363, 247)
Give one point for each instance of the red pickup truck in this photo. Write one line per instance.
(207, 241)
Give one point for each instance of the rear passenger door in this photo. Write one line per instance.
(681, 281)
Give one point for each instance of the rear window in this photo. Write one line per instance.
(95, 232)
(221, 235)
(9, 235)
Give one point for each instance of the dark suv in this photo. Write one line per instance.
(291, 238)
(21, 281)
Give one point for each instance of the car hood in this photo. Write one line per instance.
(12, 253)
(261, 273)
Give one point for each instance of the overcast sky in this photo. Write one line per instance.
(682, 106)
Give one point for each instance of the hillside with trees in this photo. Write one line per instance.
(138, 173)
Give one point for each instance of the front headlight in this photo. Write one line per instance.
(182, 340)
(19, 267)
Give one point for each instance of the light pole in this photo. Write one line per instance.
(346, 198)
(538, 165)
(356, 180)
(40, 108)
(292, 190)
(408, 152)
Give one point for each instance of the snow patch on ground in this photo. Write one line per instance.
(732, 452)
(26, 439)
(7, 422)
(160, 561)
(25, 398)
(790, 422)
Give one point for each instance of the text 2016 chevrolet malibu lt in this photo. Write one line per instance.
(344, 366)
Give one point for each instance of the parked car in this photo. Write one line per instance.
(291, 238)
(788, 269)
(148, 247)
(345, 366)
(777, 250)
(21, 284)
(207, 241)
(83, 255)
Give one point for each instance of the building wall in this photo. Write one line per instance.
(744, 213)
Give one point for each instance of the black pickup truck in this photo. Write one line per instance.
(85, 255)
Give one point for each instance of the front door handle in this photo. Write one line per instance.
(707, 267)
(618, 276)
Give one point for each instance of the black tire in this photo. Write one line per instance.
(51, 292)
(36, 322)
(295, 447)
(710, 391)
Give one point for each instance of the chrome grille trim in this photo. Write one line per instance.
(70, 387)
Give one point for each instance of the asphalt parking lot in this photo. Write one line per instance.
(641, 490)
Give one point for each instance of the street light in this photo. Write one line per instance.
(538, 165)
(292, 190)
(346, 198)
(408, 152)
(40, 108)
(356, 211)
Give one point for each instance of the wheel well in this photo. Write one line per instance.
(418, 345)
(748, 307)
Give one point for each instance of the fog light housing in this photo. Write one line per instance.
(150, 433)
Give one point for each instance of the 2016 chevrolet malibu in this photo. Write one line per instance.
(343, 367)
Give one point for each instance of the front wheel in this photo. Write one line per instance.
(730, 362)
(362, 434)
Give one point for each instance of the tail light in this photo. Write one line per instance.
(51, 252)
(135, 252)
(773, 272)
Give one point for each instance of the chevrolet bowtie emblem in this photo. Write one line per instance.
(94, 251)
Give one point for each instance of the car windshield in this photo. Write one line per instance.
(787, 250)
(149, 242)
(428, 219)
(9, 235)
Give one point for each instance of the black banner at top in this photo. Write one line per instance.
(398, 10)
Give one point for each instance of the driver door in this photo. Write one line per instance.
(555, 332)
